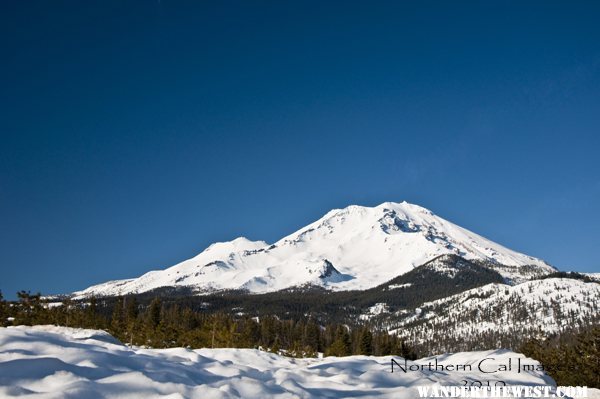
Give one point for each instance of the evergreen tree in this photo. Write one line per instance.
(570, 360)
(117, 321)
(383, 345)
(175, 323)
(131, 315)
(250, 333)
(587, 356)
(311, 337)
(341, 345)
(153, 314)
(366, 342)
(91, 316)
(30, 310)
(276, 345)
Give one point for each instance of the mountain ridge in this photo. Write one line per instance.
(351, 248)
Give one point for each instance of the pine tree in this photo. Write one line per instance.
(152, 318)
(276, 345)
(311, 337)
(250, 334)
(383, 344)
(91, 314)
(366, 342)
(30, 310)
(117, 320)
(153, 313)
(587, 358)
(131, 314)
(570, 360)
(341, 345)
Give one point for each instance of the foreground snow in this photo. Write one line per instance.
(57, 362)
(352, 248)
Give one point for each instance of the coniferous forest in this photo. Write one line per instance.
(161, 325)
(571, 358)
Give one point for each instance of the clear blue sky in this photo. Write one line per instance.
(134, 134)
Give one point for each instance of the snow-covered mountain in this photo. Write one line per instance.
(499, 315)
(352, 248)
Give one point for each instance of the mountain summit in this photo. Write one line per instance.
(352, 248)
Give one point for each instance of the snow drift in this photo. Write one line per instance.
(58, 362)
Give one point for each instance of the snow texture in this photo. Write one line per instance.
(58, 362)
(552, 304)
(352, 248)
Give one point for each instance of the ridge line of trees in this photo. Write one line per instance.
(165, 325)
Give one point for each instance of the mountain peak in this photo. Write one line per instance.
(360, 246)
(237, 244)
(404, 206)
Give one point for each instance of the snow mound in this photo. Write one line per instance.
(54, 362)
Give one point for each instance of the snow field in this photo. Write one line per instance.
(58, 362)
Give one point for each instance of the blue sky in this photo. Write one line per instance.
(134, 134)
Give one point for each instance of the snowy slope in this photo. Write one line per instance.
(503, 312)
(352, 248)
(58, 362)
(593, 276)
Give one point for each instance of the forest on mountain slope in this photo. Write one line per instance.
(305, 321)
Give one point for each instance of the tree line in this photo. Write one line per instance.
(164, 325)
(571, 359)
